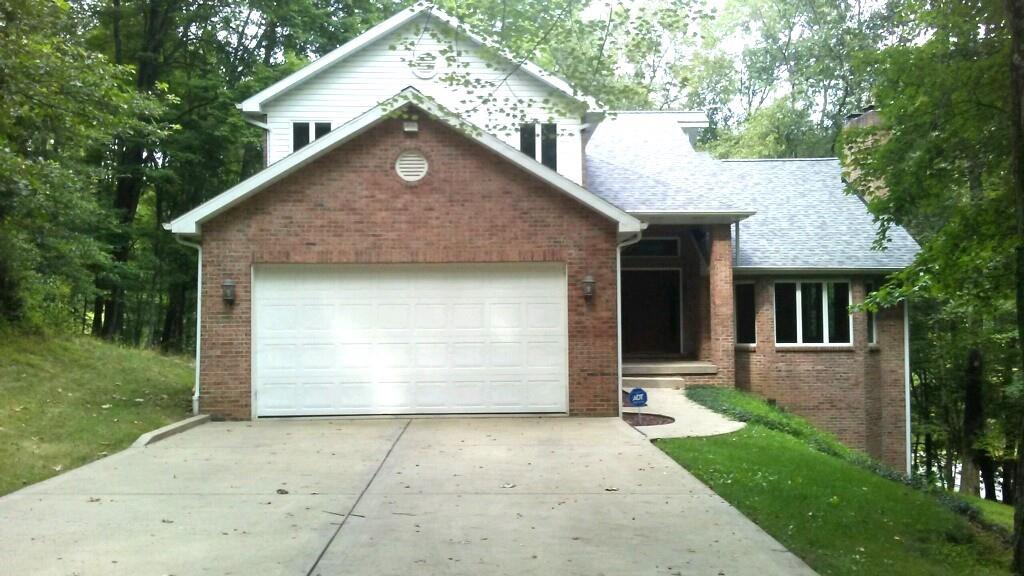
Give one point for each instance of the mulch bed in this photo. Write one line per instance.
(634, 419)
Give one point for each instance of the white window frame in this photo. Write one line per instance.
(538, 138)
(744, 345)
(799, 314)
(312, 130)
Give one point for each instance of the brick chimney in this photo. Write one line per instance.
(866, 118)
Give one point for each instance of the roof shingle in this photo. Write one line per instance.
(804, 217)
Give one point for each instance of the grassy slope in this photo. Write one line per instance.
(995, 512)
(66, 401)
(839, 517)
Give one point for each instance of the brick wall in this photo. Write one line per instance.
(855, 392)
(712, 309)
(350, 207)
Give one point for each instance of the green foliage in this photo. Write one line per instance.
(777, 130)
(61, 104)
(838, 517)
(778, 76)
(65, 401)
(938, 164)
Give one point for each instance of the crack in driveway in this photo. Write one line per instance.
(358, 499)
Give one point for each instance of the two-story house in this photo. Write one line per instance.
(440, 229)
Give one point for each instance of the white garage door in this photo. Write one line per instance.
(396, 339)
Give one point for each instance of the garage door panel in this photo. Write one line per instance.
(541, 354)
(408, 339)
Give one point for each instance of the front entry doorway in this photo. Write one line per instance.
(651, 312)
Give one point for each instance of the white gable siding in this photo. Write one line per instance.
(376, 73)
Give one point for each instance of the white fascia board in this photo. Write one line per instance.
(189, 223)
(687, 118)
(702, 217)
(254, 104)
(526, 66)
(811, 270)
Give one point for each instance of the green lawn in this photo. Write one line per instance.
(839, 516)
(65, 401)
(995, 512)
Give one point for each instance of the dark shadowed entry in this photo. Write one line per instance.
(650, 312)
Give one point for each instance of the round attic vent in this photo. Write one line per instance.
(425, 65)
(411, 166)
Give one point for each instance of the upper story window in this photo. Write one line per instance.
(301, 132)
(746, 314)
(548, 148)
(812, 313)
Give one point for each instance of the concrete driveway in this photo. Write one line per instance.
(422, 496)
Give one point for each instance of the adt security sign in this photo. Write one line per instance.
(638, 397)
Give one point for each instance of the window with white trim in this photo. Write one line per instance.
(746, 313)
(869, 287)
(301, 132)
(813, 312)
(547, 151)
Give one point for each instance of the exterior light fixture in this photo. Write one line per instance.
(228, 291)
(410, 127)
(588, 286)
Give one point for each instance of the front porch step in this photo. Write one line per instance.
(630, 382)
(670, 368)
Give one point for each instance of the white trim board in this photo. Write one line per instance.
(190, 223)
(789, 270)
(254, 104)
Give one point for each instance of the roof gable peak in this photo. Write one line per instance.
(254, 104)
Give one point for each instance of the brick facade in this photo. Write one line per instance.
(855, 392)
(350, 207)
(708, 333)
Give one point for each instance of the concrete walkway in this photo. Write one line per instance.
(386, 497)
(692, 419)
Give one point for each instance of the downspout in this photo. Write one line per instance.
(199, 316)
(906, 379)
(618, 308)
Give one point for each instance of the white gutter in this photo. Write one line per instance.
(719, 217)
(256, 123)
(618, 310)
(744, 270)
(199, 316)
(906, 380)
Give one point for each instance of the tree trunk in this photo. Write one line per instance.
(97, 316)
(131, 161)
(174, 318)
(1015, 21)
(948, 466)
(974, 422)
(1009, 478)
(987, 465)
(929, 457)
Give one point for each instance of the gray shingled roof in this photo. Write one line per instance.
(804, 218)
